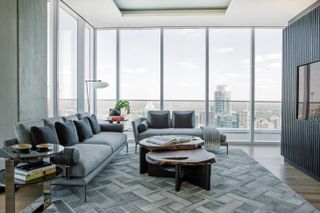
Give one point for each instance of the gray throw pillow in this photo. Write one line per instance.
(143, 126)
(83, 129)
(94, 124)
(46, 134)
(67, 133)
(159, 119)
(183, 119)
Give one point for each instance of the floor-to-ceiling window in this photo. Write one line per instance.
(268, 69)
(67, 63)
(184, 71)
(229, 82)
(140, 70)
(106, 59)
(88, 66)
(50, 73)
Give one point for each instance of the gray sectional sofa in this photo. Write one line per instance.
(82, 161)
(163, 123)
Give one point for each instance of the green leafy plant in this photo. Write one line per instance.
(123, 104)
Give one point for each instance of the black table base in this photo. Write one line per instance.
(197, 175)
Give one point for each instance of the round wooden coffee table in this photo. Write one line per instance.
(193, 166)
(146, 147)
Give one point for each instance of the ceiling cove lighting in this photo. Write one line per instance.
(172, 7)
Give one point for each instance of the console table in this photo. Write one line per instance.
(7, 176)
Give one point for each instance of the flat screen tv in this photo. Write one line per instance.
(308, 92)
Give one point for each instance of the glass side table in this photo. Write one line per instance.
(7, 176)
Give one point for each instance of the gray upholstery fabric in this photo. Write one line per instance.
(223, 137)
(69, 156)
(112, 139)
(52, 121)
(107, 127)
(10, 142)
(183, 119)
(91, 156)
(23, 130)
(70, 118)
(135, 125)
(171, 131)
(159, 119)
(143, 126)
(81, 115)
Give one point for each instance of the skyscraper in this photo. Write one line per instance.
(222, 100)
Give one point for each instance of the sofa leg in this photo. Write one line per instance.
(135, 150)
(85, 192)
(227, 149)
(127, 147)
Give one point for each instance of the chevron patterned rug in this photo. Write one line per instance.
(239, 184)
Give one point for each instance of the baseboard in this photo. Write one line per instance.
(302, 169)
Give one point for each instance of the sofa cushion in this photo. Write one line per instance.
(112, 139)
(23, 130)
(67, 133)
(183, 119)
(91, 156)
(223, 137)
(70, 118)
(45, 134)
(159, 119)
(94, 124)
(52, 121)
(81, 115)
(143, 126)
(197, 132)
(83, 129)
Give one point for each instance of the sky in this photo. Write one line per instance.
(184, 63)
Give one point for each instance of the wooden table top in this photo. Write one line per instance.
(193, 144)
(197, 157)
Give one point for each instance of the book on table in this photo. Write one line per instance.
(27, 172)
(169, 140)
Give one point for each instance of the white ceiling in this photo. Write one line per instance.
(104, 13)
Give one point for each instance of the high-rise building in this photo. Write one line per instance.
(222, 100)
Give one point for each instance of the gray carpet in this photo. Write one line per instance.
(239, 184)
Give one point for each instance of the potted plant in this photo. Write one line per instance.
(120, 105)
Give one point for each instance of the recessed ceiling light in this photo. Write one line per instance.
(172, 7)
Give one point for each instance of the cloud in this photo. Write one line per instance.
(187, 66)
(223, 50)
(274, 56)
(135, 70)
(275, 65)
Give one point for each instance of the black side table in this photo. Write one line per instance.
(7, 176)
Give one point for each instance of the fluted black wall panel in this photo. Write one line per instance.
(300, 142)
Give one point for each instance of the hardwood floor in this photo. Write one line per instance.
(268, 156)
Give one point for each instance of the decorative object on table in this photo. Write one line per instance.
(211, 137)
(169, 139)
(123, 105)
(114, 112)
(22, 147)
(43, 146)
(30, 171)
(94, 84)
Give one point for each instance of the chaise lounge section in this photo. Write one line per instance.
(161, 123)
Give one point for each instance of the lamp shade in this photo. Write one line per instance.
(99, 84)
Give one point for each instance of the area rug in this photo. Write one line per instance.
(239, 184)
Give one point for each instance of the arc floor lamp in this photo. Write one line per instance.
(94, 84)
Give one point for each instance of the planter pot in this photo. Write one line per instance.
(114, 112)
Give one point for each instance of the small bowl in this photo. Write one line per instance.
(43, 146)
(23, 147)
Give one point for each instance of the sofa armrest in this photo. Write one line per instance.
(107, 127)
(69, 156)
(10, 142)
(135, 125)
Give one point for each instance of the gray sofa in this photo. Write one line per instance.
(188, 127)
(83, 161)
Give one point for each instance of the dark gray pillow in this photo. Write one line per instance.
(159, 119)
(83, 129)
(94, 124)
(183, 119)
(45, 134)
(143, 126)
(67, 133)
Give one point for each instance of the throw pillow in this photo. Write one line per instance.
(143, 126)
(67, 133)
(83, 129)
(159, 119)
(183, 119)
(94, 124)
(46, 134)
